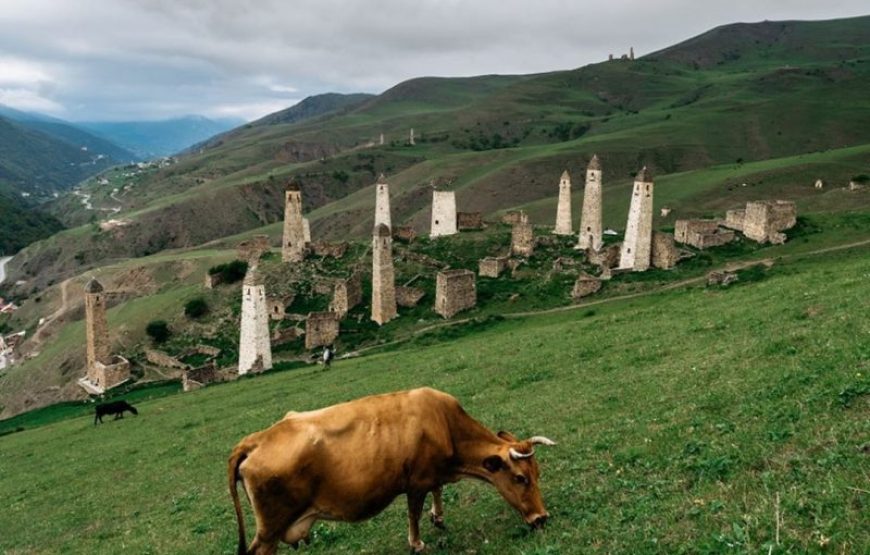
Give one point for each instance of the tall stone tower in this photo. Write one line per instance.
(97, 330)
(255, 349)
(382, 202)
(411, 137)
(637, 246)
(293, 246)
(590, 217)
(383, 276)
(563, 210)
(443, 214)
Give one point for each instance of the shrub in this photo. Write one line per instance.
(196, 307)
(230, 272)
(158, 330)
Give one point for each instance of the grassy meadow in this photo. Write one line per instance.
(700, 420)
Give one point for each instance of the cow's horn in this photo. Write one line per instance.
(541, 440)
(516, 455)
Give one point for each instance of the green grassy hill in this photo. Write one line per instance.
(698, 420)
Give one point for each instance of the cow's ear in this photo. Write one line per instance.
(507, 436)
(493, 463)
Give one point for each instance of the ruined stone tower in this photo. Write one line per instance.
(255, 349)
(383, 276)
(590, 217)
(97, 330)
(443, 214)
(382, 202)
(563, 210)
(522, 236)
(293, 246)
(637, 246)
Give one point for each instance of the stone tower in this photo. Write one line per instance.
(382, 202)
(443, 213)
(97, 330)
(381, 141)
(637, 246)
(522, 236)
(631, 53)
(563, 210)
(590, 217)
(255, 350)
(411, 137)
(383, 276)
(293, 246)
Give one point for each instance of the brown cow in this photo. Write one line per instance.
(348, 462)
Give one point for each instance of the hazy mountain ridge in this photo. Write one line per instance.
(151, 139)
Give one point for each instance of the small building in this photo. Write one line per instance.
(409, 297)
(455, 291)
(469, 221)
(664, 251)
(346, 294)
(492, 266)
(321, 329)
(701, 234)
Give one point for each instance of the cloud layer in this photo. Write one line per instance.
(149, 59)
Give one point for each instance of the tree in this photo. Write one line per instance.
(196, 308)
(158, 330)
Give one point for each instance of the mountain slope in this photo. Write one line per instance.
(150, 139)
(21, 223)
(314, 106)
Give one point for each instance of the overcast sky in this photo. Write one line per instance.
(151, 59)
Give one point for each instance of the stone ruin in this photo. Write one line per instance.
(637, 247)
(664, 252)
(404, 233)
(564, 225)
(255, 350)
(277, 306)
(721, 278)
(285, 335)
(324, 249)
(513, 217)
(764, 221)
(702, 234)
(196, 378)
(492, 266)
(469, 221)
(346, 294)
(585, 286)
(522, 237)
(443, 214)
(251, 250)
(321, 329)
(455, 291)
(409, 297)
(104, 370)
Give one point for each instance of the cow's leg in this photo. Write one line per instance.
(298, 531)
(415, 510)
(260, 547)
(436, 515)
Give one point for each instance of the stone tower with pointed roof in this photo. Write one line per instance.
(637, 247)
(563, 210)
(590, 217)
(293, 244)
(255, 348)
(383, 276)
(382, 203)
(97, 330)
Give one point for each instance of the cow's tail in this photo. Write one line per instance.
(240, 453)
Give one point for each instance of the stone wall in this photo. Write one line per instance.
(702, 234)
(285, 335)
(321, 329)
(469, 221)
(277, 306)
(409, 297)
(664, 251)
(765, 220)
(584, 286)
(346, 294)
(163, 360)
(734, 219)
(334, 250)
(455, 291)
(492, 266)
(195, 378)
(113, 374)
(514, 217)
(443, 214)
(606, 257)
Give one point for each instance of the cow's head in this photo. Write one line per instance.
(513, 470)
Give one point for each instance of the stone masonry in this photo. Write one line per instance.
(585, 286)
(563, 208)
(293, 246)
(637, 246)
(469, 221)
(455, 291)
(255, 350)
(383, 276)
(321, 329)
(404, 233)
(664, 251)
(251, 250)
(701, 234)
(492, 266)
(409, 297)
(765, 220)
(443, 213)
(590, 217)
(382, 202)
(346, 294)
(522, 237)
(104, 371)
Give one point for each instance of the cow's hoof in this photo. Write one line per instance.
(417, 547)
(437, 521)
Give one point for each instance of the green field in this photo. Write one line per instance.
(687, 421)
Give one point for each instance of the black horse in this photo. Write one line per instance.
(115, 407)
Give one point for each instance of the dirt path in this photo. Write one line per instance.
(64, 306)
(729, 267)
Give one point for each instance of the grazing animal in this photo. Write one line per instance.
(348, 462)
(115, 407)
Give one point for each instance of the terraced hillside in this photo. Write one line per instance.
(737, 95)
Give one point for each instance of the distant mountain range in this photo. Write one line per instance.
(151, 139)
